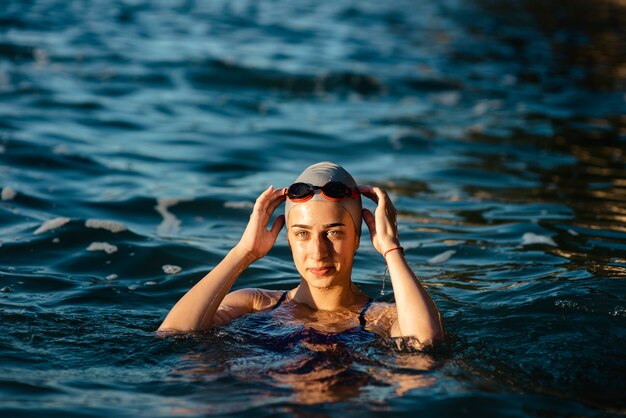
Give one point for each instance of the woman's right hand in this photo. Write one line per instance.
(383, 223)
(257, 240)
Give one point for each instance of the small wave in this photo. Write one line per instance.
(222, 74)
(441, 258)
(112, 226)
(241, 204)
(51, 224)
(102, 246)
(530, 238)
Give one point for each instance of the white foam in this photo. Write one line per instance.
(171, 269)
(618, 311)
(102, 246)
(441, 258)
(150, 283)
(51, 224)
(170, 224)
(570, 304)
(530, 238)
(105, 224)
(111, 277)
(8, 193)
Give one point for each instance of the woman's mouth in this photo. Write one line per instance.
(321, 271)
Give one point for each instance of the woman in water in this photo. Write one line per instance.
(323, 214)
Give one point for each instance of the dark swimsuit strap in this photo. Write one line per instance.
(362, 314)
(281, 300)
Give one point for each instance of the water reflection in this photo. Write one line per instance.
(306, 374)
(585, 39)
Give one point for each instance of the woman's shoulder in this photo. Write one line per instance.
(255, 298)
(263, 299)
(377, 306)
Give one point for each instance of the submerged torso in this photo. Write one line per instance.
(287, 324)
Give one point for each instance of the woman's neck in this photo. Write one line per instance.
(328, 299)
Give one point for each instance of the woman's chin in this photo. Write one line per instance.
(322, 281)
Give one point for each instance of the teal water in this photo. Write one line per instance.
(134, 137)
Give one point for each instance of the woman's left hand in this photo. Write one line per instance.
(382, 224)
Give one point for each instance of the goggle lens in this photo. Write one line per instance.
(336, 190)
(299, 191)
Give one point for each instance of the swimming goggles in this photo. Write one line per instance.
(333, 190)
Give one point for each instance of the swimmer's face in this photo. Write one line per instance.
(323, 241)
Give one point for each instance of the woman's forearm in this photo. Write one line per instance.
(195, 310)
(418, 315)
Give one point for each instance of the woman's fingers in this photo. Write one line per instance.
(383, 223)
(262, 200)
(368, 191)
(369, 221)
(385, 203)
(371, 225)
(278, 224)
(276, 198)
(383, 197)
(376, 194)
(379, 196)
(257, 239)
(267, 202)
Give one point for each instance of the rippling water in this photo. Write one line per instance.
(134, 137)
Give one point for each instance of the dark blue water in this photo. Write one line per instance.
(134, 137)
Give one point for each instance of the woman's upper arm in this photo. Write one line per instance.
(241, 302)
(394, 330)
(234, 305)
(387, 316)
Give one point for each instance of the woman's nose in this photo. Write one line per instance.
(320, 248)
